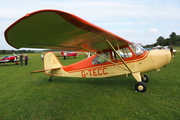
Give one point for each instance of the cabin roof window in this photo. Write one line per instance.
(5, 57)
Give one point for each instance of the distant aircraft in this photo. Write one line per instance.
(7, 59)
(157, 47)
(69, 54)
(54, 29)
(12, 59)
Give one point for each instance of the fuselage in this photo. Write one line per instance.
(8, 59)
(95, 67)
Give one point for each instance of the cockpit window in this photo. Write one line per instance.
(137, 49)
(5, 57)
(99, 60)
(124, 52)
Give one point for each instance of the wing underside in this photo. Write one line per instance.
(54, 29)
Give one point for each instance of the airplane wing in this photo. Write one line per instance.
(4, 61)
(18, 60)
(54, 29)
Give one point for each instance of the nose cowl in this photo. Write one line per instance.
(160, 58)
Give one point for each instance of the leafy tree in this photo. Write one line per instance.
(173, 37)
(160, 41)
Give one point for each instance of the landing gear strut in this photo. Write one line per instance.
(50, 80)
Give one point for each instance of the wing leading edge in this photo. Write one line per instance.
(54, 29)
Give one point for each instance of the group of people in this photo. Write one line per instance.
(26, 59)
(21, 59)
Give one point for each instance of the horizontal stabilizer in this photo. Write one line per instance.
(44, 70)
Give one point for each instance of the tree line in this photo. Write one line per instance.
(15, 51)
(24, 51)
(166, 42)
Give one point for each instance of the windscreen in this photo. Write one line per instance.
(137, 49)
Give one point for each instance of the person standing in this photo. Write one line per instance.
(26, 59)
(42, 57)
(88, 55)
(21, 59)
(65, 55)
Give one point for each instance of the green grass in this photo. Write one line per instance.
(31, 96)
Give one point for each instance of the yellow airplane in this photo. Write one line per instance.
(113, 55)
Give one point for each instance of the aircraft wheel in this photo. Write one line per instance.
(4, 64)
(146, 79)
(50, 80)
(140, 87)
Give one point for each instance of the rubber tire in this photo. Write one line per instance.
(50, 80)
(140, 84)
(146, 79)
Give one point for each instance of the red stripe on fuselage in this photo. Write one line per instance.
(83, 65)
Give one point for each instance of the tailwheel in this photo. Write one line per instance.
(140, 87)
(50, 79)
(145, 78)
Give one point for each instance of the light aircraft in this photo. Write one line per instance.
(14, 59)
(54, 29)
(8, 58)
(157, 47)
(69, 54)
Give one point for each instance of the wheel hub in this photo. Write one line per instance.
(140, 87)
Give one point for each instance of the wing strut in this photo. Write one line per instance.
(102, 57)
(136, 74)
(118, 55)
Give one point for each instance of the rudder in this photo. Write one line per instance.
(51, 61)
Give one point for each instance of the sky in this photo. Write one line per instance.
(138, 21)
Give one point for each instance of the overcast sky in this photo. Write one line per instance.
(139, 21)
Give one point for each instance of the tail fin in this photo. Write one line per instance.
(51, 61)
(62, 53)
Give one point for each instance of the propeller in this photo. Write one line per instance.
(171, 50)
(15, 55)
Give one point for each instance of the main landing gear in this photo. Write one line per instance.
(141, 86)
(145, 78)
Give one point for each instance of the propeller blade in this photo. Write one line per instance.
(171, 50)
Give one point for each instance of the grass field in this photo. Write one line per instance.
(30, 96)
